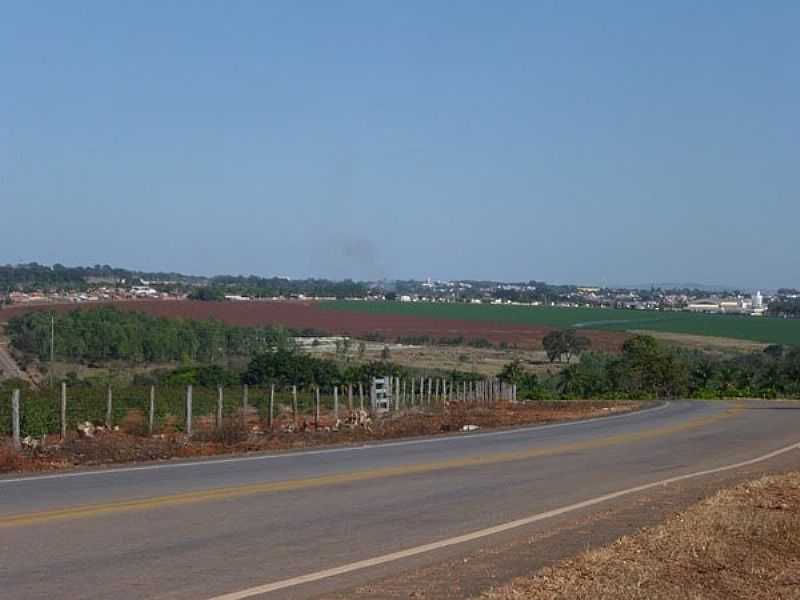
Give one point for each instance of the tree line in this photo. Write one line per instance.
(786, 307)
(647, 368)
(35, 277)
(104, 334)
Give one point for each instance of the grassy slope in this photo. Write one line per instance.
(767, 330)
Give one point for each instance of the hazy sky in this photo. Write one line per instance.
(567, 141)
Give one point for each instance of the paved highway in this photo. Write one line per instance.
(293, 525)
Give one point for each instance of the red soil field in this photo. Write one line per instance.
(308, 315)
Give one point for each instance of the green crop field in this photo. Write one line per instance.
(758, 329)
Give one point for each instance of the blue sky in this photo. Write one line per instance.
(616, 142)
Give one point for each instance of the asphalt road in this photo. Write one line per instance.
(209, 528)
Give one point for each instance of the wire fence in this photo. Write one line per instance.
(151, 409)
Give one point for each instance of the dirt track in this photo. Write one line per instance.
(308, 315)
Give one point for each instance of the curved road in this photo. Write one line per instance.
(293, 525)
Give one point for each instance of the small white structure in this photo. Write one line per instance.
(758, 300)
(381, 394)
(144, 291)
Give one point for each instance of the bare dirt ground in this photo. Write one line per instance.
(124, 446)
(743, 542)
(309, 315)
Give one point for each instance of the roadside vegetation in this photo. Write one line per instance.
(249, 430)
(648, 368)
(210, 353)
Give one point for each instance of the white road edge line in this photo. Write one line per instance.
(475, 535)
(221, 461)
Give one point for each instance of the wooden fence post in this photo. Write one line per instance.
(15, 436)
(63, 410)
(220, 401)
(271, 405)
(189, 411)
(152, 411)
(109, 408)
(294, 404)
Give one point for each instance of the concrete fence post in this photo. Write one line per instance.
(316, 407)
(336, 402)
(401, 391)
(189, 411)
(152, 412)
(245, 403)
(361, 395)
(271, 405)
(294, 404)
(350, 397)
(109, 407)
(220, 402)
(63, 410)
(413, 385)
(15, 435)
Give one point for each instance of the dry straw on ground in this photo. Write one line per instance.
(741, 543)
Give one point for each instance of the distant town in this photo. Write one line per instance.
(33, 283)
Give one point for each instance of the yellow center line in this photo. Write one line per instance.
(227, 493)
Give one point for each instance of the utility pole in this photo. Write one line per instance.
(52, 345)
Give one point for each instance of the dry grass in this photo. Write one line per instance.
(488, 362)
(706, 342)
(741, 543)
